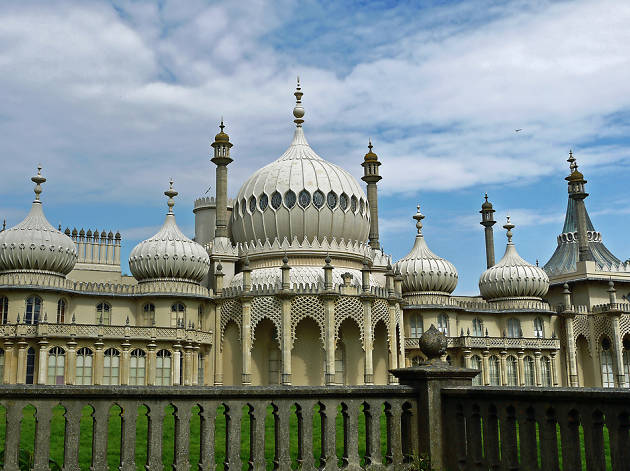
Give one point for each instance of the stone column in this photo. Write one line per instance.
(124, 362)
(151, 363)
(503, 372)
(177, 364)
(43, 363)
(537, 356)
(617, 345)
(573, 376)
(195, 366)
(393, 341)
(467, 356)
(71, 362)
(246, 341)
(98, 361)
(287, 341)
(188, 365)
(329, 314)
(217, 348)
(486, 373)
(521, 368)
(21, 362)
(368, 339)
(401, 338)
(9, 363)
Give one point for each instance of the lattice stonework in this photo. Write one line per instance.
(581, 327)
(602, 326)
(349, 307)
(230, 311)
(308, 306)
(380, 312)
(266, 307)
(624, 325)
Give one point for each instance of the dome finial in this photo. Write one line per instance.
(572, 164)
(171, 193)
(418, 217)
(509, 226)
(38, 180)
(298, 111)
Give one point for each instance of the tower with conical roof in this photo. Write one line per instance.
(487, 221)
(221, 159)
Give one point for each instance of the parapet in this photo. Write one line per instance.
(96, 248)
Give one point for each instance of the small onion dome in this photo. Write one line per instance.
(513, 277)
(35, 245)
(370, 156)
(424, 272)
(169, 254)
(486, 204)
(222, 136)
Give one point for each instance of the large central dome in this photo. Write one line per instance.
(301, 196)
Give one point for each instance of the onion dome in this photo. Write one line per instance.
(222, 136)
(370, 156)
(34, 244)
(486, 204)
(301, 196)
(424, 272)
(513, 277)
(169, 254)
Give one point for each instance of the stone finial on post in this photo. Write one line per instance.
(428, 379)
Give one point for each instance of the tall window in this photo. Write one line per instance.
(163, 368)
(1, 365)
(200, 375)
(513, 328)
(178, 311)
(275, 365)
(495, 376)
(512, 370)
(104, 312)
(4, 309)
(56, 365)
(608, 378)
(545, 371)
(528, 370)
(137, 367)
(149, 314)
(84, 366)
(30, 365)
(415, 325)
(61, 311)
(111, 366)
(340, 377)
(539, 331)
(476, 364)
(477, 327)
(443, 324)
(199, 317)
(33, 309)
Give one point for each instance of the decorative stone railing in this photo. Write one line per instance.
(368, 405)
(301, 288)
(431, 301)
(618, 307)
(516, 428)
(505, 343)
(74, 330)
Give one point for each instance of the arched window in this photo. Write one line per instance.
(200, 374)
(340, 357)
(608, 378)
(343, 201)
(528, 371)
(416, 360)
(512, 370)
(30, 365)
(61, 311)
(33, 309)
(178, 311)
(495, 375)
(163, 368)
(275, 365)
(545, 371)
(103, 314)
(111, 366)
(304, 198)
(513, 328)
(539, 331)
(443, 324)
(4, 309)
(56, 365)
(415, 326)
(149, 314)
(477, 327)
(276, 200)
(476, 364)
(1, 365)
(137, 367)
(84, 366)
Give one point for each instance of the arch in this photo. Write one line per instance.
(231, 310)
(232, 354)
(349, 307)
(33, 310)
(307, 356)
(61, 311)
(111, 366)
(163, 368)
(539, 328)
(494, 370)
(265, 307)
(586, 372)
(104, 313)
(178, 314)
(4, 309)
(511, 366)
(148, 313)
(529, 371)
(351, 353)
(266, 364)
(56, 365)
(380, 353)
(137, 367)
(606, 362)
(84, 362)
(30, 365)
(307, 306)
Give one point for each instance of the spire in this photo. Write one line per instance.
(487, 221)
(571, 160)
(509, 226)
(298, 111)
(38, 180)
(419, 217)
(171, 193)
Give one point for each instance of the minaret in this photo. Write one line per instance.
(371, 177)
(577, 193)
(221, 159)
(487, 221)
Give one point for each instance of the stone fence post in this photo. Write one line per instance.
(428, 380)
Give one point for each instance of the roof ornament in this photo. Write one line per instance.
(419, 217)
(572, 163)
(509, 226)
(38, 180)
(171, 193)
(298, 111)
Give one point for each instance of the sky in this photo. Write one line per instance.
(114, 98)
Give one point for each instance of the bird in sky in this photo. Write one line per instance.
(518, 130)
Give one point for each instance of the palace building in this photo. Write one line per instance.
(288, 284)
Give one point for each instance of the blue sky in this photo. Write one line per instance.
(113, 98)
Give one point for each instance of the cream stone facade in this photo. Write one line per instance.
(288, 284)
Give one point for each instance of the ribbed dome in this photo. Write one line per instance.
(35, 245)
(513, 277)
(423, 271)
(169, 254)
(300, 195)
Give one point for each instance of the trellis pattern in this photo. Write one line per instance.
(581, 326)
(308, 306)
(349, 307)
(624, 325)
(266, 307)
(602, 326)
(380, 312)
(231, 310)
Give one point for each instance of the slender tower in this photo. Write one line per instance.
(487, 221)
(221, 159)
(577, 193)
(371, 177)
